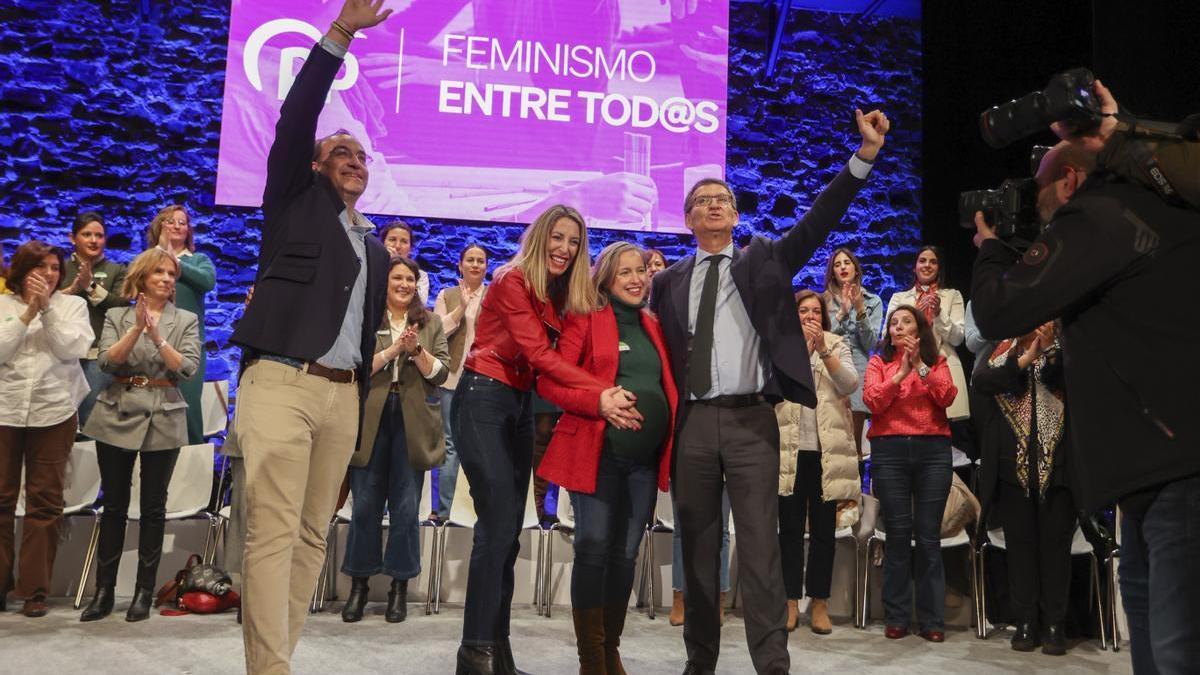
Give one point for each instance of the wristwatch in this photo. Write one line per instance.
(825, 354)
(922, 370)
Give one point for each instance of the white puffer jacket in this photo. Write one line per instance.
(835, 432)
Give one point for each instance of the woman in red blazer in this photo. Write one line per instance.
(611, 470)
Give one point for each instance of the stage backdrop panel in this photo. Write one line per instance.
(496, 109)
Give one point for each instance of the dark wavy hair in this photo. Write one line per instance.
(417, 314)
(26, 258)
(928, 343)
(806, 293)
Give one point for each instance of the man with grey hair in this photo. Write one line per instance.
(737, 348)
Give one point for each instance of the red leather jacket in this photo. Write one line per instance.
(573, 457)
(512, 338)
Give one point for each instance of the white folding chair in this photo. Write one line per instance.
(544, 584)
(188, 495)
(214, 406)
(663, 521)
(878, 538)
(1079, 546)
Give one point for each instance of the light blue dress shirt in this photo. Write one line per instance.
(346, 352)
(737, 363)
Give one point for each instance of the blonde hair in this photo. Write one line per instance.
(143, 266)
(605, 269)
(573, 291)
(155, 231)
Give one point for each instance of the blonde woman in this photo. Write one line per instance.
(855, 314)
(171, 230)
(492, 414)
(148, 348)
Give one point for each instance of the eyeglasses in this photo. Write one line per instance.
(342, 152)
(719, 200)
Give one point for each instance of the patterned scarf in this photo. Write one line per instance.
(923, 291)
(1018, 411)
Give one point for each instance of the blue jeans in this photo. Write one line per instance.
(387, 479)
(493, 429)
(448, 471)
(912, 481)
(1160, 556)
(97, 380)
(609, 524)
(677, 547)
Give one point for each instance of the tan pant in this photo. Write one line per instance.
(297, 434)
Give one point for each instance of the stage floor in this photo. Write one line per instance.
(58, 644)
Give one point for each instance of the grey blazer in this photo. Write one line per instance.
(145, 418)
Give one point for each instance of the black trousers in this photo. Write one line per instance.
(738, 449)
(805, 502)
(116, 476)
(1038, 537)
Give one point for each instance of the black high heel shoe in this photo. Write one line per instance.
(353, 611)
(397, 604)
(100, 606)
(476, 660)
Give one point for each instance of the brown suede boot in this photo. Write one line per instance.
(793, 615)
(589, 640)
(818, 613)
(676, 617)
(614, 625)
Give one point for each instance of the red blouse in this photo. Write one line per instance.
(915, 407)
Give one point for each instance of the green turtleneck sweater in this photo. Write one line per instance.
(639, 371)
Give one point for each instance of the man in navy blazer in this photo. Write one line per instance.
(308, 337)
(730, 322)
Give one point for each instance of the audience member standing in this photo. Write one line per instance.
(90, 275)
(148, 348)
(171, 230)
(733, 354)
(908, 388)
(856, 315)
(401, 439)
(308, 338)
(943, 310)
(43, 334)
(459, 308)
(819, 487)
(1026, 447)
(397, 237)
(613, 472)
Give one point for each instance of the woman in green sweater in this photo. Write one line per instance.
(611, 470)
(172, 231)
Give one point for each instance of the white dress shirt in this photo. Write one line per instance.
(41, 381)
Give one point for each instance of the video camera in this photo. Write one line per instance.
(1162, 156)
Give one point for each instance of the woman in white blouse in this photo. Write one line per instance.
(43, 334)
(943, 308)
(458, 306)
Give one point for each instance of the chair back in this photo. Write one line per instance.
(81, 484)
(664, 511)
(462, 509)
(214, 406)
(426, 501)
(566, 510)
(531, 514)
(190, 488)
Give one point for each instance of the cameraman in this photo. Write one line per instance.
(1119, 266)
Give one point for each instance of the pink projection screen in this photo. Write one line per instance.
(491, 110)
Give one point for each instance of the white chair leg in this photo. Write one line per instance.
(976, 590)
(651, 572)
(433, 551)
(88, 559)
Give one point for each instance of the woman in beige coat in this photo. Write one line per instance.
(401, 439)
(149, 348)
(818, 467)
(944, 310)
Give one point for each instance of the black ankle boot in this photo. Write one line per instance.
(504, 658)
(100, 606)
(476, 660)
(1026, 637)
(1054, 641)
(397, 607)
(353, 611)
(139, 609)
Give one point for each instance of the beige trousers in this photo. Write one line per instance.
(297, 433)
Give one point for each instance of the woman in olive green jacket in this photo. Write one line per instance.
(401, 439)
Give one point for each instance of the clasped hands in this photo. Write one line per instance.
(617, 407)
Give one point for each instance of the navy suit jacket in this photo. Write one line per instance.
(763, 273)
(306, 265)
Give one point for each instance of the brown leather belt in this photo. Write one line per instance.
(312, 368)
(141, 381)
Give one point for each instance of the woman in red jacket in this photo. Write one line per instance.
(611, 472)
(492, 415)
(908, 388)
